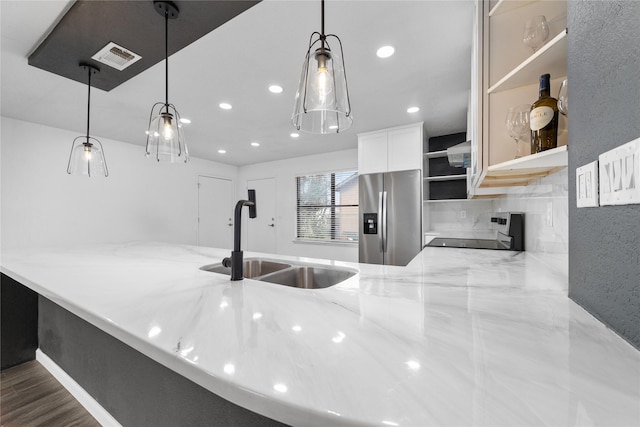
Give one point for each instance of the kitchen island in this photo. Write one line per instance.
(457, 337)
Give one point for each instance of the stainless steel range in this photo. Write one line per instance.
(509, 227)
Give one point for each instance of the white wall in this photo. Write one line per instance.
(285, 172)
(140, 200)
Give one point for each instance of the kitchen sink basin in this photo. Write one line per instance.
(305, 276)
(253, 267)
(309, 277)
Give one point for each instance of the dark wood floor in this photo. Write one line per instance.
(32, 397)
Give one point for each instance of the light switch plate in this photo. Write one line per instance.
(587, 185)
(620, 175)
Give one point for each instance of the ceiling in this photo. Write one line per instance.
(237, 62)
(88, 26)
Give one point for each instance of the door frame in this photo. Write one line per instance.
(245, 218)
(234, 192)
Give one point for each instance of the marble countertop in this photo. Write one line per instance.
(459, 337)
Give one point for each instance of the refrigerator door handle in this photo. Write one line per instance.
(380, 225)
(384, 221)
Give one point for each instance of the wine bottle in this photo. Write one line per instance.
(543, 119)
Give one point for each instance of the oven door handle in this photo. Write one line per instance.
(506, 242)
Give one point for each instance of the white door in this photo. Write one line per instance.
(215, 212)
(261, 231)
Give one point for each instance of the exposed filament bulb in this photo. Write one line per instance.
(88, 155)
(167, 128)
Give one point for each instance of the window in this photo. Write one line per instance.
(327, 208)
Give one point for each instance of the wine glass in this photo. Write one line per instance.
(563, 98)
(517, 123)
(536, 32)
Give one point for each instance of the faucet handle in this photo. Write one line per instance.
(226, 262)
(252, 206)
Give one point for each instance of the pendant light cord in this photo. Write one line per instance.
(322, 36)
(88, 103)
(166, 58)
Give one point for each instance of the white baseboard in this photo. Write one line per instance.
(84, 398)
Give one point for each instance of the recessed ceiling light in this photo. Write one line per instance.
(185, 121)
(280, 388)
(275, 89)
(255, 144)
(295, 135)
(413, 364)
(413, 109)
(385, 51)
(222, 151)
(225, 106)
(229, 369)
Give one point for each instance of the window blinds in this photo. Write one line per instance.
(327, 206)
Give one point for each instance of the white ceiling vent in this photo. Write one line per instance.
(116, 56)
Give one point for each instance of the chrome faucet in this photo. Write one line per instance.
(236, 261)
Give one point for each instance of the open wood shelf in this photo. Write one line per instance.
(526, 169)
(445, 177)
(504, 6)
(441, 181)
(552, 57)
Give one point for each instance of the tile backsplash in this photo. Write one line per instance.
(546, 208)
(463, 218)
(544, 202)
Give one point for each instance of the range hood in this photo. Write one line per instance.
(460, 155)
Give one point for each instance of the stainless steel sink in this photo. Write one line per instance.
(253, 267)
(305, 276)
(309, 277)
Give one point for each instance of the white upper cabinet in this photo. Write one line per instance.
(405, 149)
(372, 153)
(505, 73)
(387, 150)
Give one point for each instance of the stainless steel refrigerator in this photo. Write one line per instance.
(390, 217)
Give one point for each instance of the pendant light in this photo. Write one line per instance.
(165, 138)
(322, 100)
(87, 157)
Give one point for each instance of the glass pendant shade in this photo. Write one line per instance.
(165, 137)
(87, 158)
(322, 101)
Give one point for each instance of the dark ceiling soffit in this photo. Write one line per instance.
(89, 25)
